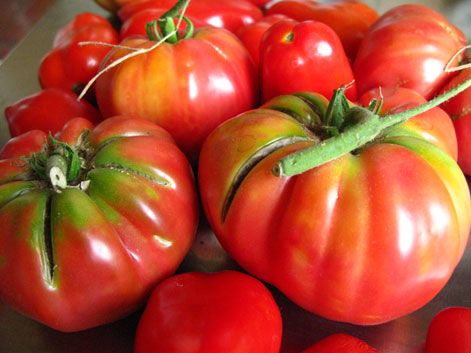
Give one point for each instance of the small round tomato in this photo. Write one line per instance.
(210, 313)
(340, 343)
(297, 56)
(450, 331)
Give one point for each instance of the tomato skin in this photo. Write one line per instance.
(408, 46)
(107, 244)
(433, 125)
(349, 19)
(305, 56)
(340, 343)
(450, 331)
(69, 65)
(210, 313)
(251, 35)
(47, 110)
(459, 108)
(188, 88)
(357, 239)
(226, 14)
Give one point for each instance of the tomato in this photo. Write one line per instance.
(450, 331)
(251, 35)
(210, 313)
(188, 87)
(114, 5)
(226, 14)
(303, 56)
(408, 46)
(459, 109)
(92, 221)
(367, 236)
(69, 65)
(350, 19)
(340, 343)
(47, 110)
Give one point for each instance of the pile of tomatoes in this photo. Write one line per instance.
(204, 110)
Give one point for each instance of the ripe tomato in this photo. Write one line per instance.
(459, 109)
(70, 66)
(365, 238)
(350, 19)
(340, 343)
(89, 228)
(450, 331)
(188, 87)
(210, 313)
(47, 110)
(408, 46)
(228, 14)
(303, 56)
(251, 35)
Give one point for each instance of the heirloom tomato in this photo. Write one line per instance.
(228, 14)
(186, 85)
(340, 343)
(350, 19)
(408, 46)
(70, 65)
(296, 56)
(450, 331)
(366, 236)
(92, 220)
(47, 110)
(210, 313)
(459, 108)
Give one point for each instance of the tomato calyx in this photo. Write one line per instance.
(358, 127)
(164, 29)
(60, 165)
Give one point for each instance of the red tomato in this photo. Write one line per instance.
(365, 238)
(48, 110)
(408, 46)
(188, 88)
(251, 35)
(340, 343)
(350, 19)
(210, 313)
(228, 14)
(450, 331)
(459, 109)
(303, 56)
(69, 65)
(89, 228)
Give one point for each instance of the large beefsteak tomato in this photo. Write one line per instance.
(188, 86)
(92, 221)
(363, 238)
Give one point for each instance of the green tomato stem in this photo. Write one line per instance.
(56, 171)
(369, 126)
(166, 24)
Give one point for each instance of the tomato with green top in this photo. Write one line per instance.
(92, 220)
(355, 216)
